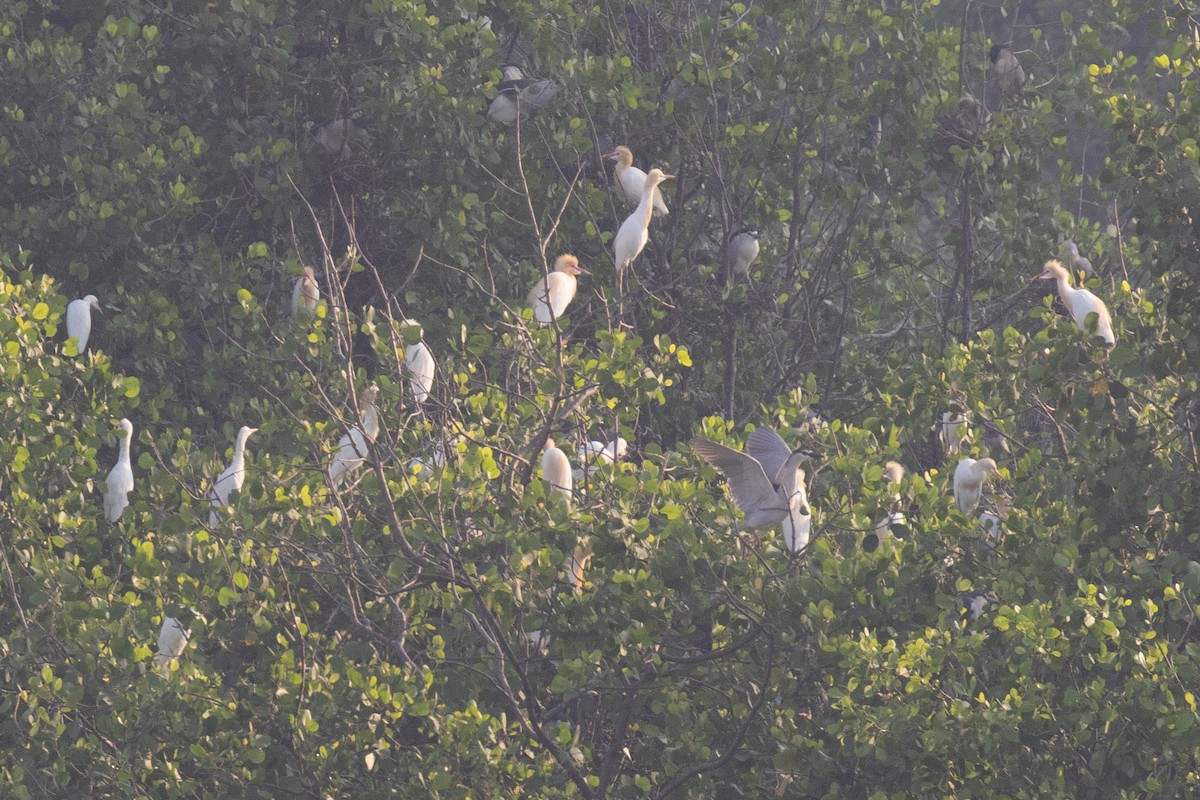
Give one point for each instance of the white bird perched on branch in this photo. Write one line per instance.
(635, 230)
(172, 639)
(742, 252)
(519, 96)
(594, 453)
(1080, 302)
(632, 181)
(232, 478)
(305, 294)
(355, 445)
(556, 470)
(968, 482)
(766, 482)
(79, 320)
(974, 602)
(551, 295)
(119, 482)
(418, 365)
(953, 431)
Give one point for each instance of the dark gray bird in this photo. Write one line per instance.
(1010, 77)
(519, 96)
(766, 481)
(742, 252)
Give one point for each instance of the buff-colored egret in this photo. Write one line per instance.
(632, 181)
(305, 294)
(79, 320)
(1010, 77)
(592, 454)
(1080, 302)
(577, 562)
(551, 295)
(766, 482)
(120, 478)
(743, 250)
(953, 431)
(518, 96)
(893, 473)
(968, 482)
(1076, 261)
(419, 365)
(232, 478)
(635, 230)
(355, 445)
(172, 639)
(974, 602)
(556, 470)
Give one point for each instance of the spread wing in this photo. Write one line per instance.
(749, 485)
(769, 449)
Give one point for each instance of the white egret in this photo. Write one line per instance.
(577, 562)
(893, 473)
(419, 366)
(974, 602)
(593, 453)
(232, 478)
(968, 482)
(79, 320)
(355, 445)
(953, 431)
(120, 478)
(1010, 77)
(632, 181)
(423, 468)
(551, 295)
(743, 250)
(634, 231)
(172, 639)
(305, 294)
(518, 95)
(766, 482)
(556, 470)
(1075, 260)
(1080, 302)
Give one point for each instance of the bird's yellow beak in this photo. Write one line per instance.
(668, 177)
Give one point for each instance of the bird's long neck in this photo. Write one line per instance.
(646, 207)
(370, 422)
(124, 456)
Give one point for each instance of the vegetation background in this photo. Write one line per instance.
(417, 635)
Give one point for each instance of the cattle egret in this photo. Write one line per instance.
(551, 295)
(424, 468)
(419, 366)
(766, 482)
(893, 473)
(232, 478)
(1010, 77)
(968, 482)
(1080, 302)
(632, 181)
(120, 479)
(79, 320)
(577, 563)
(953, 431)
(305, 294)
(593, 453)
(974, 602)
(355, 445)
(172, 639)
(556, 470)
(634, 231)
(743, 250)
(517, 95)
(1075, 261)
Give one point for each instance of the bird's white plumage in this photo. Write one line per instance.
(119, 482)
(556, 470)
(232, 478)
(968, 482)
(172, 639)
(635, 230)
(418, 361)
(631, 181)
(551, 295)
(594, 453)
(1080, 302)
(79, 320)
(952, 432)
(355, 445)
(305, 294)
(743, 251)
(797, 525)
(764, 501)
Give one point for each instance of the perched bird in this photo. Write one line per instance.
(339, 137)
(632, 181)
(232, 478)
(964, 127)
(872, 133)
(355, 445)
(425, 468)
(119, 482)
(766, 481)
(993, 530)
(1010, 77)
(172, 639)
(743, 250)
(968, 482)
(975, 601)
(635, 230)
(953, 431)
(593, 453)
(577, 563)
(1080, 302)
(518, 95)
(305, 294)
(79, 320)
(893, 473)
(419, 365)
(556, 470)
(551, 295)
(1075, 261)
